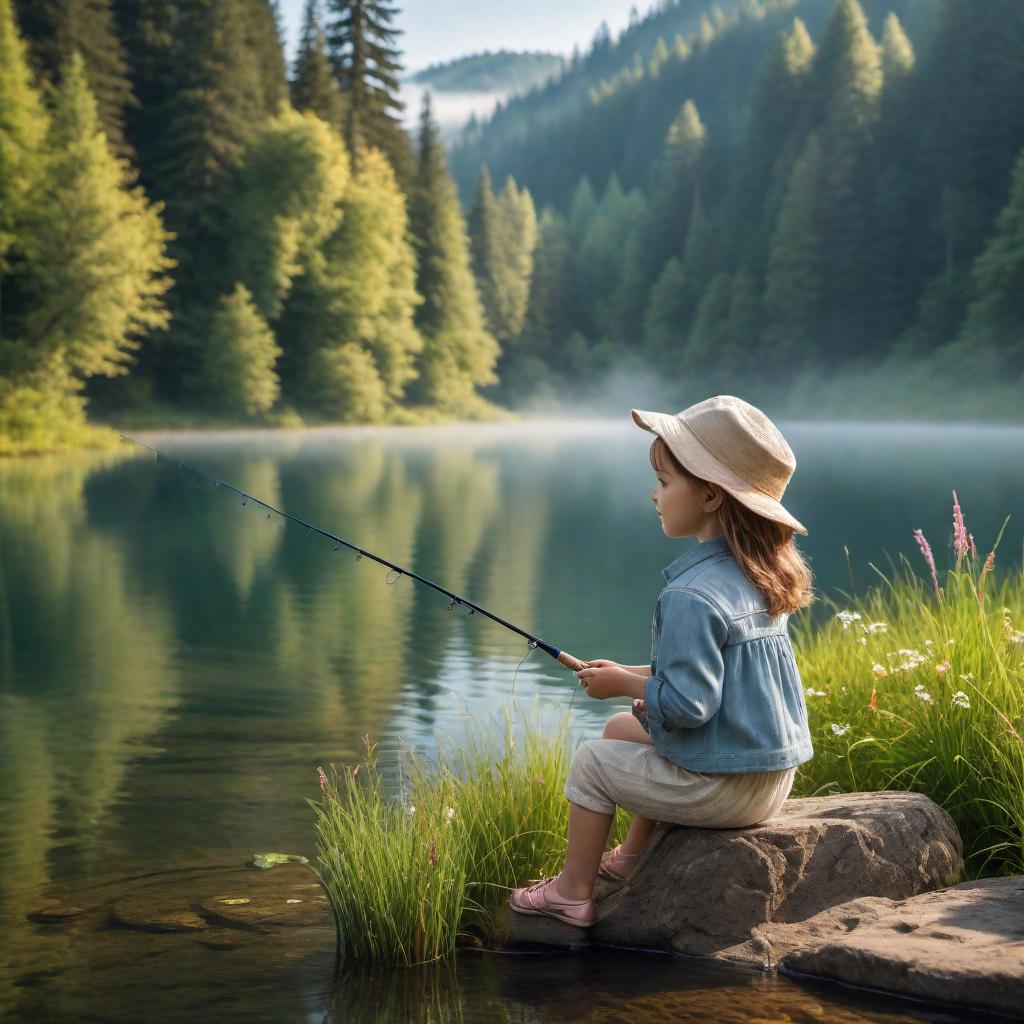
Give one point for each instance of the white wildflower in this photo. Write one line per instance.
(961, 700)
(412, 808)
(876, 627)
(862, 640)
(950, 642)
(909, 659)
(879, 670)
(812, 692)
(847, 617)
(1015, 636)
(966, 676)
(449, 813)
(923, 695)
(929, 643)
(840, 730)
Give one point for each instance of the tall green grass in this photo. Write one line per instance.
(405, 875)
(915, 685)
(924, 691)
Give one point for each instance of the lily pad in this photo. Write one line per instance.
(272, 860)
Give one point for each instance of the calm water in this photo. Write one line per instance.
(174, 665)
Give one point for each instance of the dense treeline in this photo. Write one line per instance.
(727, 193)
(790, 185)
(504, 71)
(184, 225)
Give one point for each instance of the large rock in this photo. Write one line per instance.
(705, 891)
(964, 944)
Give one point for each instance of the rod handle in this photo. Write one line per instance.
(566, 659)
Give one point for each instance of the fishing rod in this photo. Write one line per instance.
(562, 657)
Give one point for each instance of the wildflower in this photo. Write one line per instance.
(922, 694)
(950, 642)
(966, 676)
(847, 617)
(874, 700)
(812, 692)
(929, 558)
(412, 808)
(929, 643)
(862, 640)
(961, 700)
(1016, 636)
(878, 670)
(909, 659)
(538, 781)
(942, 668)
(840, 730)
(449, 813)
(876, 627)
(323, 779)
(974, 550)
(960, 544)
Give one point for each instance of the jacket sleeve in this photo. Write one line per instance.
(687, 688)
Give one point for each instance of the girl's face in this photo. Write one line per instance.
(687, 507)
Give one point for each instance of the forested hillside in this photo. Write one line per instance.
(792, 185)
(503, 72)
(816, 200)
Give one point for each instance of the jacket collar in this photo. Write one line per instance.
(705, 549)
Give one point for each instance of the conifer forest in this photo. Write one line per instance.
(753, 194)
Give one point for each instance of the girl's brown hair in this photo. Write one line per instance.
(763, 548)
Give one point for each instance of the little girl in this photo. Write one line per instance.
(719, 723)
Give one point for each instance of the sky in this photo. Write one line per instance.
(439, 30)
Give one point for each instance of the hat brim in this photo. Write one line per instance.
(687, 448)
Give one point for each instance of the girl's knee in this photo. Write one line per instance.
(621, 726)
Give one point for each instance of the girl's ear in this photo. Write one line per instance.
(714, 496)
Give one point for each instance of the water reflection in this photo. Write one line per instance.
(173, 664)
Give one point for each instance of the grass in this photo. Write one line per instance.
(916, 685)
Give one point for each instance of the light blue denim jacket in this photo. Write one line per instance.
(724, 694)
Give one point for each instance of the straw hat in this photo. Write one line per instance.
(733, 444)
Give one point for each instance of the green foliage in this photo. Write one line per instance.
(349, 325)
(458, 352)
(947, 676)
(313, 86)
(94, 246)
(405, 876)
(284, 203)
(502, 71)
(237, 359)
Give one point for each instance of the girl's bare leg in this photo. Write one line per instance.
(588, 834)
(624, 726)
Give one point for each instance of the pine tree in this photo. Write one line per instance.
(547, 323)
(23, 129)
(519, 218)
(794, 285)
(896, 49)
(55, 29)
(94, 246)
(847, 85)
(664, 317)
(238, 359)
(313, 85)
(366, 65)
(487, 249)
(458, 353)
(996, 316)
(348, 327)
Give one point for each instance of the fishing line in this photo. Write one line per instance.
(395, 573)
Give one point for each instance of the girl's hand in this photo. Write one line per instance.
(604, 679)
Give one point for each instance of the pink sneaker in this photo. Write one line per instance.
(542, 900)
(617, 865)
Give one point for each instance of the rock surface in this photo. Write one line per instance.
(963, 944)
(703, 891)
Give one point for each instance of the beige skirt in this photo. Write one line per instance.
(609, 773)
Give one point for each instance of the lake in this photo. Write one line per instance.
(175, 664)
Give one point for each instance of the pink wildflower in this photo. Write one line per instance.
(323, 779)
(974, 550)
(959, 530)
(942, 668)
(929, 558)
